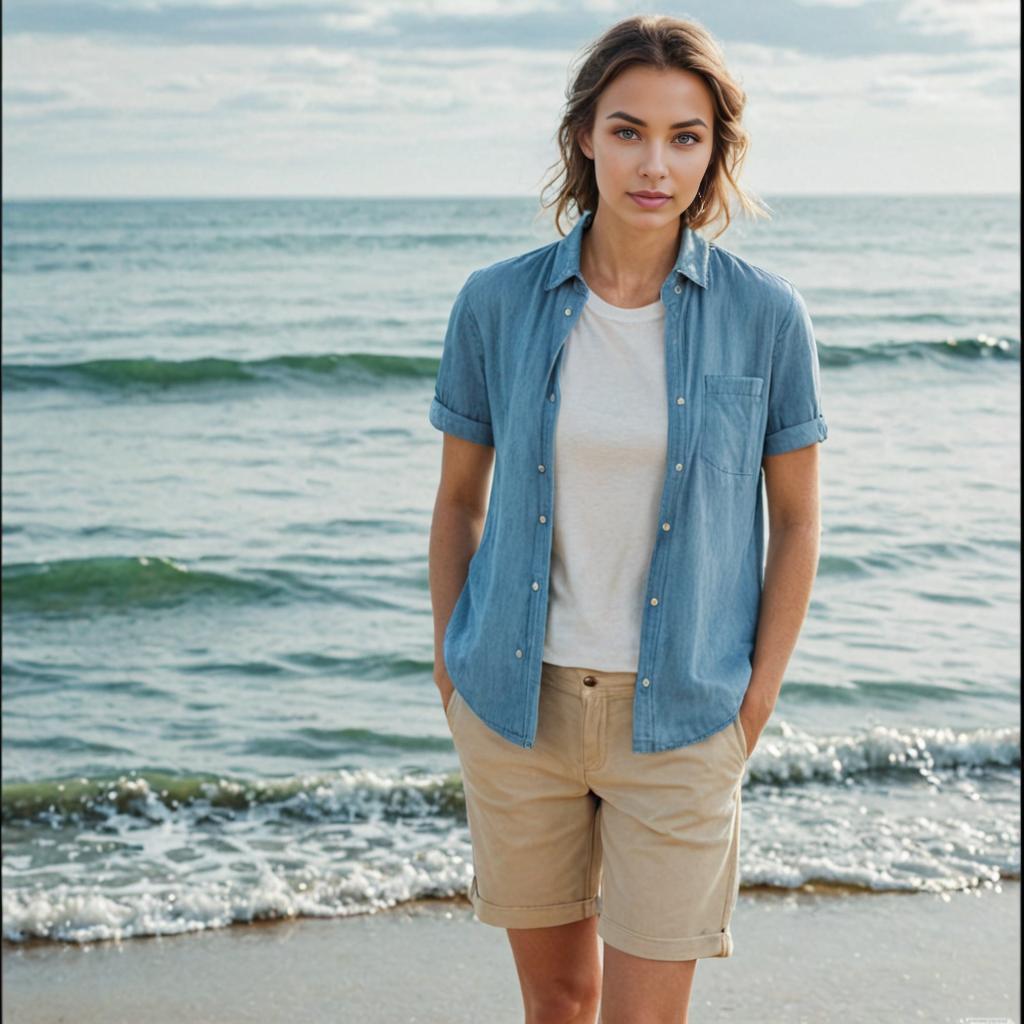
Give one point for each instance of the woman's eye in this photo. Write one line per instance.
(683, 135)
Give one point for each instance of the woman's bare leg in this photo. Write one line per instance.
(559, 971)
(641, 991)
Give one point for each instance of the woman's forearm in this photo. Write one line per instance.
(791, 565)
(455, 533)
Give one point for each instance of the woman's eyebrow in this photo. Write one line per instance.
(643, 124)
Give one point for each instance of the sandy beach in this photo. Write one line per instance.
(816, 957)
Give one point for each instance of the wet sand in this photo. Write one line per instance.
(817, 957)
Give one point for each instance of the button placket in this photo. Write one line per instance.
(666, 526)
(547, 496)
(680, 401)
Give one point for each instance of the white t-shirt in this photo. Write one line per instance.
(610, 449)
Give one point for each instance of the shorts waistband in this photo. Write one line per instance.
(578, 680)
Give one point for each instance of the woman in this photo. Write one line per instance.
(609, 651)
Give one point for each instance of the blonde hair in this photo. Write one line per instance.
(662, 42)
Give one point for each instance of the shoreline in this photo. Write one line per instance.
(799, 956)
(836, 890)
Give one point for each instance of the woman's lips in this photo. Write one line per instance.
(649, 202)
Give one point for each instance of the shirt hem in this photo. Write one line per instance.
(675, 744)
(522, 740)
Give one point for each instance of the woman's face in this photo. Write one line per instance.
(652, 133)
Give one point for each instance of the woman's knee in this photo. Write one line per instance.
(570, 1000)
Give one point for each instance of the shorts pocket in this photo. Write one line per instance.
(741, 737)
(731, 440)
(449, 711)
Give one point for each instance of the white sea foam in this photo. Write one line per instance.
(915, 810)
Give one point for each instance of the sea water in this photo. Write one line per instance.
(218, 479)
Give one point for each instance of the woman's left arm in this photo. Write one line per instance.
(791, 564)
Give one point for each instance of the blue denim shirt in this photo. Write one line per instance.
(742, 382)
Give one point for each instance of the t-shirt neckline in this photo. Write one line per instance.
(637, 314)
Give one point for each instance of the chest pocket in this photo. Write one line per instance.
(731, 439)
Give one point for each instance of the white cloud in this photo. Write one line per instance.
(286, 119)
(982, 22)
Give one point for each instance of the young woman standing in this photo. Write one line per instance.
(608, 650)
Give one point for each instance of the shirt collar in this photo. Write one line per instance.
(691, 261)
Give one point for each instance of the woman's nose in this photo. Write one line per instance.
(654, 163)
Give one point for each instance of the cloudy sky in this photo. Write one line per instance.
(462, 97)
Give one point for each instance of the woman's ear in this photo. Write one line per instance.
(583, 140)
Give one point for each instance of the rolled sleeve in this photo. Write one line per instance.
(795, 417)
(460, 404)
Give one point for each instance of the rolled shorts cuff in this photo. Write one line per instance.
(532, 917)
(694, 948)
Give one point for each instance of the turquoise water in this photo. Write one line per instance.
(218, 479)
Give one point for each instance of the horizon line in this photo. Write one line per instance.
(230, 197)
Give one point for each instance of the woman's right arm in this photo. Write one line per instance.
(460, 510)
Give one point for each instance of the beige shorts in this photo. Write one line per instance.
(579, 825)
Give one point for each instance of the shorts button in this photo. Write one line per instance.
(589, 681)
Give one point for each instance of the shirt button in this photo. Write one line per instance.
(646, 682)
(519, 652)
(679, 466)
(551, 397)
(680, 400)
(654, 600)
(542, 519)
(568, 310)
(535, 585)
(679, 288)
(540, 468)
(666, 527)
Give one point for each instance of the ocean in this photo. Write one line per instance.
(218, 480)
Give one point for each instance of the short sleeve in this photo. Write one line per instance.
(795, 419)
(460, 405)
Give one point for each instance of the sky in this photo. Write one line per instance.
(134, 98)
